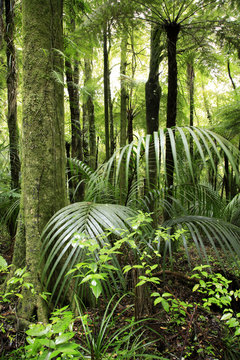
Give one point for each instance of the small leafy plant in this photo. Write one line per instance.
(216, 288)
(54, 340)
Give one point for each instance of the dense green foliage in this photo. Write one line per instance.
(139, 102)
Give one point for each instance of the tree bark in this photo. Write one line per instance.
(1, 23)
(72, 76)
(90, 115)
(111, 121)
(172, 31)
(105, 84)
(230, 75)
(123, 67)
(191, 77)
(43, 165)
(152, 88)
(85, 134)
(152, 98)
(12, 95)
(123, 112)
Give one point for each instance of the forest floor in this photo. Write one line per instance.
(184, 330)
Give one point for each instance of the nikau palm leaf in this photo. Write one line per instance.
(137, 160)
(205, 232)
(208, 146)
(59, 252)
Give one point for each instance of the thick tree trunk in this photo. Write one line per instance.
(172, 31)
(43, 166)
(12, 94)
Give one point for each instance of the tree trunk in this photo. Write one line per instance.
(12, 95)
(130, 117)
(90, 115)
(85, 134)
(152, 98)
(226, 177)
(152, 88)
(191, 77)
(111, 122)
(123, 112)
(105, 83)
(123, 67)
(172, 30)
(43, 166)
(72, 76)
(1, 22)
(230, 75)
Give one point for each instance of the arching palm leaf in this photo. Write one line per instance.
(60, 253)
(220, 236)
(232, 211)
(208, 145)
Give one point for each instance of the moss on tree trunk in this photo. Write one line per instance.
(43, 165)
(12, 96)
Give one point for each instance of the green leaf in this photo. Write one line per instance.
(195, 287)
(47, 342)
(155, 280)
(226, 316)
(38, 330)
(64, 338)
(127, 268)
(3, 264)
(96, 288)
(93, 267)
(237, 332)
(158, 300)
(142, 282)
(165, 305)
(91, 277)
(166, 294)
(68, 349)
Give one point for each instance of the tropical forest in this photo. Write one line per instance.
(120, 179)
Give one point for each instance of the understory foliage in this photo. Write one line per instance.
(112, 330)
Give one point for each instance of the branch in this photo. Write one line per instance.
(177, 275)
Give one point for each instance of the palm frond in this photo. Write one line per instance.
(206, 232)
(200, 199)
(232, 210)
(207, 146)
(59, 251)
